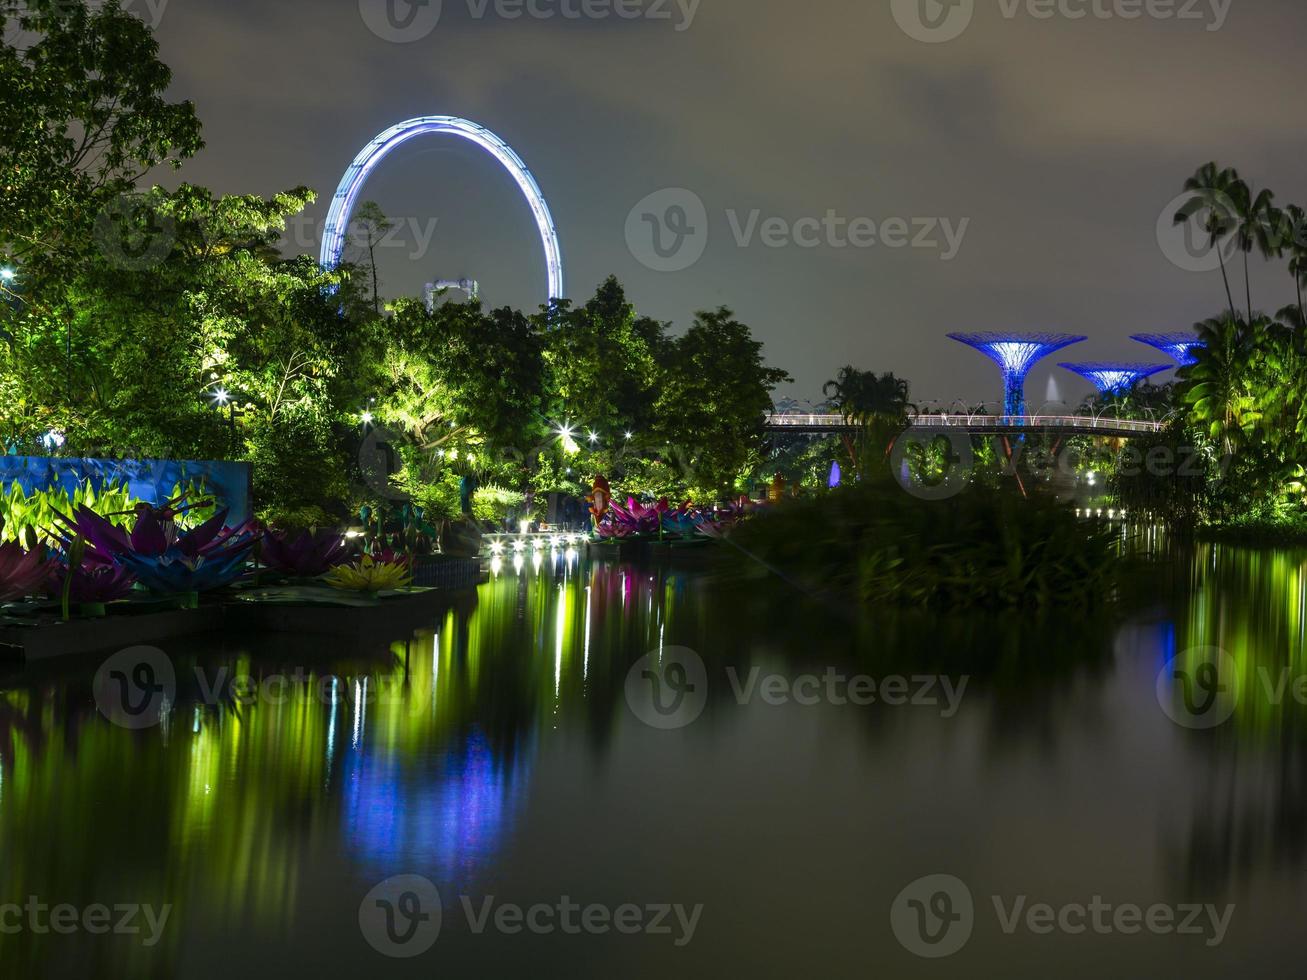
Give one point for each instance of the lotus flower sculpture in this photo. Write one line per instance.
(22, 572)
(308, 554)
(370, 574)
(93, 582)
(162, 559)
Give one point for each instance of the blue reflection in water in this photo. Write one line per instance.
(447, 821)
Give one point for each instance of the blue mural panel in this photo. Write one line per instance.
(151, 480)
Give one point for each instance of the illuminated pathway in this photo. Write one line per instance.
(979, 424)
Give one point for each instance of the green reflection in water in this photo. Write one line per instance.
(412, 757)
(1252, 605)
(255, 816)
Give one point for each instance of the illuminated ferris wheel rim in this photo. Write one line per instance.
(351, 186)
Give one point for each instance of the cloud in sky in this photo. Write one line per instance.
(1059, 141)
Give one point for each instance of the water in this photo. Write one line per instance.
(498, 754)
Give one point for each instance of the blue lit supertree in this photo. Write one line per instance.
(1181, 346)
(1016, 354)
(1115, 377)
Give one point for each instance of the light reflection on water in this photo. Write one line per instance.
(494, 753)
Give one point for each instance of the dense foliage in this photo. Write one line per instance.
(169, 323)
(873, 542)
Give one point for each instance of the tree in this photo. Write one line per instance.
(1294, 238)
(83, 114)
(714, 394)
(1217, 386)
(877, 405)
(371, 223)
(1255, 224)
(602, 362)
(1212, 190)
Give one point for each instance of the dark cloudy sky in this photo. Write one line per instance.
(1058, 141)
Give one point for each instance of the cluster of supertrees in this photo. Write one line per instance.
(89, 560)
(1017, 353)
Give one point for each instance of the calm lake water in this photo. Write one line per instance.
(685, 774)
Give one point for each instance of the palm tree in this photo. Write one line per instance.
(876, 405)
(1211, 188)
(1216, 387)
(1294, 225)
(1256, 226)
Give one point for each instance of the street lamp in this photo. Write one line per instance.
(222, 398)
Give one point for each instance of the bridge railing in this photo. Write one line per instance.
(1084, 423)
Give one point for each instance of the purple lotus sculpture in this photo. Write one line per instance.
(93, 582)
(308, 554)
(22, 572)
(687, 521)
(162, 558)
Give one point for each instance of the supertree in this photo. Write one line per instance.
(1115, 377)
(1181, 346)
(1016, 354)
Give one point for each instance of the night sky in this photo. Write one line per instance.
(1058, 141)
